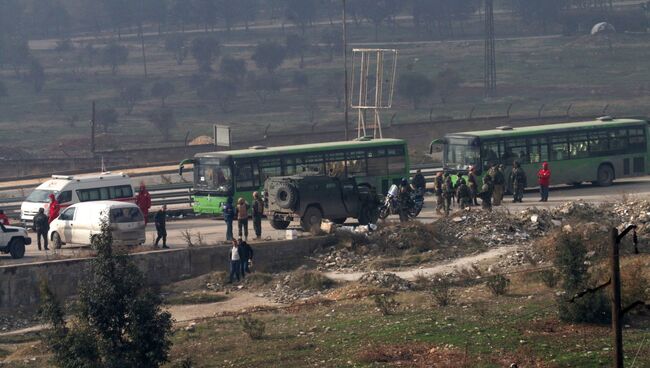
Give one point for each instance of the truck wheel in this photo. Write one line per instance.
(286, 196)
(17, 248)
(56, 241)
(605, 175)
(312, 219)
(279, 224)
(368, 216)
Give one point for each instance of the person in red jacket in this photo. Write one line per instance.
(3, 218)
(544, 179)
(143, 200)
(54, 209)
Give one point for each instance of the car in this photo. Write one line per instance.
(82, 222)
(71, 189)
(312, 198)
(13, 241)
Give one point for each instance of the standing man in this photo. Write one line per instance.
(4, 219)
(246, 254)
(242, 218)
(55, 208)
(519, 182)
(544, 179)
(228, 217)
(41, 226)
(143, 201)
(448, 192)
(472, 182)
(235, 261)
(419, 182)
(499, 182)
(437, 187)
(161, 226)
(486, 193)
(258, 212)
(463, 194)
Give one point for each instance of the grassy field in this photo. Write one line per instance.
(477, 330)
(556, 72)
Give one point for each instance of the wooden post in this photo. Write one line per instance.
(616, 300)
(345, 61)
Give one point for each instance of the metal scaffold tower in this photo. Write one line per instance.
(490, 51)
(373, 86)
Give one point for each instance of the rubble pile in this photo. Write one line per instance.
(385, 280)
(291, 287)
(635, 212)
(492, 228)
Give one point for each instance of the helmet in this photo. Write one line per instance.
(404, 181)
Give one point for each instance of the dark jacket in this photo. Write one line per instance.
(258, 207)
(419, 182)
(41, 223)
(161, 219)
(228, 212)
(245, 251)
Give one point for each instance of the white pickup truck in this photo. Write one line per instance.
(13, 241)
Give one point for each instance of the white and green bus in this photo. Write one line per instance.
(219, 175)
(598, 151)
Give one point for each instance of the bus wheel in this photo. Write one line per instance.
(279, 224)
(605, 175)
(312, 219)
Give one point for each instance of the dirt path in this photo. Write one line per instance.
(237, 302)
(410, 274)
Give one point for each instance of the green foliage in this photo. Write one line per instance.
(114, 55)
(498, 284)
(233, 69)
(296, 45)
(252, 327)
(205, 50)
(550, 278)
(269, 55)
(162, 90)
(570, 257)
(117, 321)
(386, 304)
(163, 119)
(414, 87)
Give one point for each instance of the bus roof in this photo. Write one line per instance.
(313, 147)
(549, 128)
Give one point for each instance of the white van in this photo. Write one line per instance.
(78, 223)
(69, 190)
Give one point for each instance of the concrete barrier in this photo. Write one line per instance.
(19, 284)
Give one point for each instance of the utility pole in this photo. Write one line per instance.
(144, 55)
(490, 81)
(92, 131)
(345, 68)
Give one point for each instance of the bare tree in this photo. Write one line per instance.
(163, 119)
(115, 55)
(205, 50)
(130, 95)
(269, 55)
(106, 118)
(177, 45)
(220, 91)
(162, 90)
(36, 75)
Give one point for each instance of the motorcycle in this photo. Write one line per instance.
(392, 205)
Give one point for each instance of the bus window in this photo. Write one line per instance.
(517, 150)
(356, 163)
(538, 150)
(559, 149)
(618, 140)
(245, 178)
(579, 146)
(335, 164)
(311, 163)
(598, 143)
(377, 162)
(490, 153)
(637, 140)
(270, 167)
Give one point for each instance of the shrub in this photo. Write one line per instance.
(387, 305)
(442, 292)
(498, 284)
(253, 327)
(550, 278)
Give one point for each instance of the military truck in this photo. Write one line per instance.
(312, 198)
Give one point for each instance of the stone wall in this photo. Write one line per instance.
(19, 284)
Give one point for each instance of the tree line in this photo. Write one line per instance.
(62, 18)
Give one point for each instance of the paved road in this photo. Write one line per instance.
(213, 230)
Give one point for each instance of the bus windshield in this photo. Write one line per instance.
(461, 156)
(214, 176)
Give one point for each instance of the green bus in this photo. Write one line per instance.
(219, 175)
(596, 151)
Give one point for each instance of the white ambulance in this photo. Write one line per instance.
(72, 189)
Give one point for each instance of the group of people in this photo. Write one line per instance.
(42, 222)
(241, 259)
(240, 212)
(491, 190)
